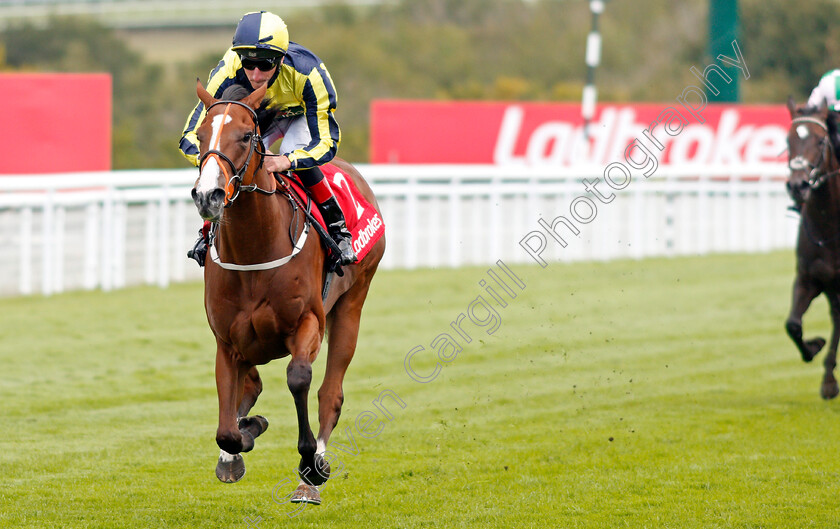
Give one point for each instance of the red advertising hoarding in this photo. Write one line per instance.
(552, 133)
(55, 122)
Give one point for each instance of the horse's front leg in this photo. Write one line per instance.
(304, 346)
(829, 388)
(804, 292)
(231, 436)
(255, 425)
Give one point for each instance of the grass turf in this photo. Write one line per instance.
(657, 393)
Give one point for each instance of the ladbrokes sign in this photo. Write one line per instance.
(552, 134)
(76, 109)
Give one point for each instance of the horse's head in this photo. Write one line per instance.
(809, 149)
(228, 138)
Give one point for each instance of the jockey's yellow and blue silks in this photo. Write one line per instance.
(300, 87)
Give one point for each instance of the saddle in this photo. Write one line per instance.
(363, 221)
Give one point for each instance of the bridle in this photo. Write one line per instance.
(817, 176)
(234, 186)
(233, 180)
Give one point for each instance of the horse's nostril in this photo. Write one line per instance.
(194, 194)
(217, 196)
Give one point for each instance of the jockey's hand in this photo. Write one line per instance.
(277, 164)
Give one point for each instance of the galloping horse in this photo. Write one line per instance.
(264, 306)
(815, 189)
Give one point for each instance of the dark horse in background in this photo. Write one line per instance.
(271, 306)
(814, 187)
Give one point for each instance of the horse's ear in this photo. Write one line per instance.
(203, 94)
(256, 97)
(822, 110)
(791, 105)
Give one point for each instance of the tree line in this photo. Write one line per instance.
(450, 49)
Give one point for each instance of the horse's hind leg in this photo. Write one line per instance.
(829, 388)
(804, 293)
(343, 333)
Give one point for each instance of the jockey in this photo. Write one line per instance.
(828, 88)
(301, 89)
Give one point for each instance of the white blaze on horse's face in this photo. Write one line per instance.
(211, 172)
(802, 131)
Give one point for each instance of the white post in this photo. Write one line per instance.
(575, 249)
(120, 229)
(455, 229)
(495, 234)
(386, 208)
(25, 285)
(765, 220)
(637, 238)
(735, 206)
(411, 231)
(433, 229)
(91, 246)
(163, 236)
(704, 215)
(58, 256)
(179, 225)
(149, 246)
(668, 238)
(47, 244)
(107, 271)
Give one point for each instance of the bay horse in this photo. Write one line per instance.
(815, 190)
(270, 306)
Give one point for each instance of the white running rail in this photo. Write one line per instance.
(112, 229)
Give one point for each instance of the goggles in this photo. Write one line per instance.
(262, 65)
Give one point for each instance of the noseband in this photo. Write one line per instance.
(816, 174)
(234, 183)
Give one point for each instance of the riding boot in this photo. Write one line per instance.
(338, 230)
(199, 250)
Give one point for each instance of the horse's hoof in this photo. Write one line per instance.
(306, 494)
(813, 348)
(232, 470)
(255, 425)
(829, 390)
(316, 475)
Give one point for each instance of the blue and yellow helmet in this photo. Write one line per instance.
(261, 35)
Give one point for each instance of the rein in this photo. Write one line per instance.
(234, 186)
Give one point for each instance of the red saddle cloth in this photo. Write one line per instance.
(362, 219)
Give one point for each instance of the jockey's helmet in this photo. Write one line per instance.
(261, 35)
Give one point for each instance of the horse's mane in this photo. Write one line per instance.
(265, 115)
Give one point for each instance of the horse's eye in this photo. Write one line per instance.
(247, 137)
